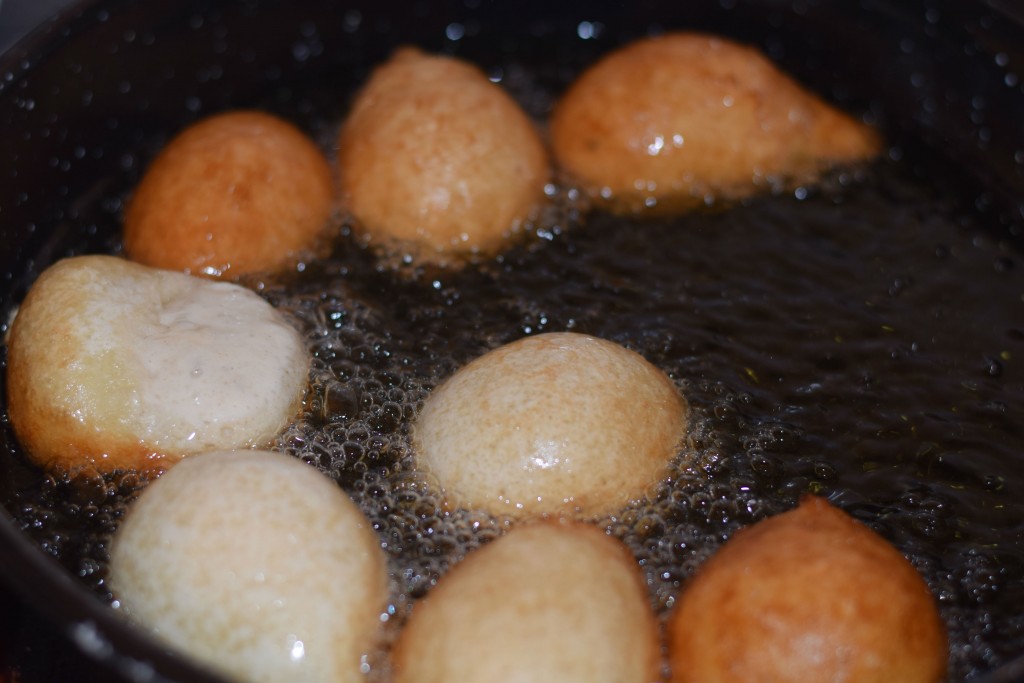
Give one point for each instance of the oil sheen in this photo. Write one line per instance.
(863, 340)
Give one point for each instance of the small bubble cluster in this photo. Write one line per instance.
(776, 412)
(828, 342)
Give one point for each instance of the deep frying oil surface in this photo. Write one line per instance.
(862, 341)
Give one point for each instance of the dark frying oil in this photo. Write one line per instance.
(863, 341)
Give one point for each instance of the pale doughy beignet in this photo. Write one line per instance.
(235, 193)
(436, 159)
(256, 565)
(668, 123)
(546, 602)
(119, 366)
(807, 596)
(554, 423)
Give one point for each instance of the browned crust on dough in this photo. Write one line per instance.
(808, 595)
(235, 193)
(684, 116)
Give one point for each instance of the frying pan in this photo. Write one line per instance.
(87, 99)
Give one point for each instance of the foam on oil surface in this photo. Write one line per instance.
(832, 344)
(810, 363)
(858, 342)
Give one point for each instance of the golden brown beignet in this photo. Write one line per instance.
(668, 123)
(235, 193)
(545, 602)
(557, 423)
(806, 596)
(435, 158)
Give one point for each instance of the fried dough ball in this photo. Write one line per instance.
(665, 124)
(554, 423)
(435, 157)
(809, 595)
(235, 193)
(546, 602)
(256, 565)
(115, 365)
